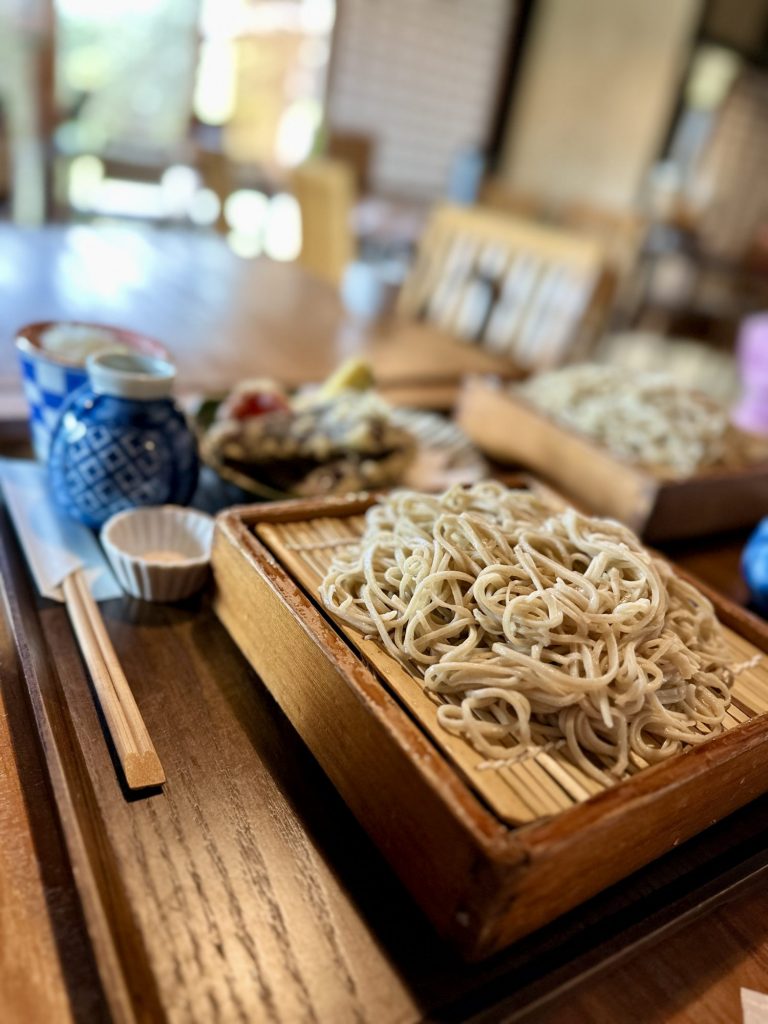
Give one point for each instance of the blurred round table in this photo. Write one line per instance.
(220, 315)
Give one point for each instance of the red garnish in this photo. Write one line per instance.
(257, 403)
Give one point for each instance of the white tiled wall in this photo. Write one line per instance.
(421, 77)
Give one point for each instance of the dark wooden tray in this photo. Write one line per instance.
(449, 835)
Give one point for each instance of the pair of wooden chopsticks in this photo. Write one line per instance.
(138, 757)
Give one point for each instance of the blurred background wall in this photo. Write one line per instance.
(599, 83)
(425, 75)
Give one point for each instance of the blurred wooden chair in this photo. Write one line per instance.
(533, 294)
(325, 191)
(356, 150)
(498, 194)
(620, 232)
(490, 293)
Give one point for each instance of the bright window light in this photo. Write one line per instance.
(319, 15)
(179, 184)
(128, 199)
(86, 174)
(296, 133)
(282, 233)
(106, 10)
(215, 87)
(712, 74)
(244, 245)
(245, 211)
(204, 207)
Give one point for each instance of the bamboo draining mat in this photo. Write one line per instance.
(539, 785)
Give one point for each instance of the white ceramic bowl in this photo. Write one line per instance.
(161, 553)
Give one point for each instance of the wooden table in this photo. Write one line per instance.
(245, 891)
(223, 318)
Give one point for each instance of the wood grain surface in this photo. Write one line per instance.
(220, 904)
(247, 891)
(221, 317)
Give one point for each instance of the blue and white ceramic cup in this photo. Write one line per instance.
(52, 357)
(121, 441)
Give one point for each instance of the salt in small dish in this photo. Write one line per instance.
(161, 553)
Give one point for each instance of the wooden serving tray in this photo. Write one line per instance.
(489, 855)
(511, 430)
(419, 366)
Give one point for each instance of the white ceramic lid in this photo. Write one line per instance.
(127, 375)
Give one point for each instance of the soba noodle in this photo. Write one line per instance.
(646, 418)
(538, 628)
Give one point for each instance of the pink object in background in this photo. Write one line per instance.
(751, 412)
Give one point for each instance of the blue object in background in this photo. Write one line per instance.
(111, 452)
(754, 566)
(466, 176)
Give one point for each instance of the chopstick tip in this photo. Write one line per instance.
(143, 770)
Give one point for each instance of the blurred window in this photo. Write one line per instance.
(125, 73)
(261, 76)
(168, 104)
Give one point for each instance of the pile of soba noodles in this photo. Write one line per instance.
(539, 628)
(647, 419)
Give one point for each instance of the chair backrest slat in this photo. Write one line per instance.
(532, 293)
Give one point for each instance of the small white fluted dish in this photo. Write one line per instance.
(161, 553)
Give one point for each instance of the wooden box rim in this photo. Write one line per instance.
(494, 383)
(651, 488)
(511, 844)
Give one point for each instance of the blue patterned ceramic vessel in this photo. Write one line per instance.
(121, 442)
(48, 378)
